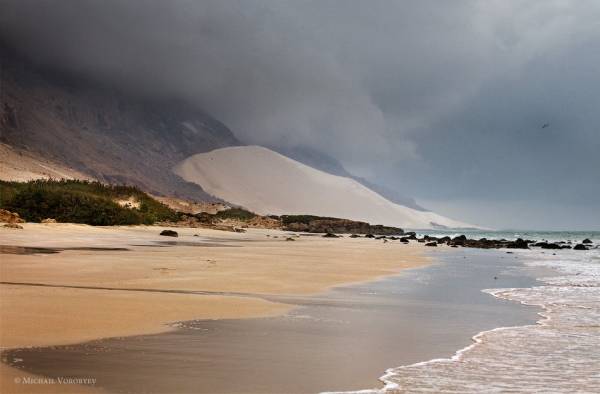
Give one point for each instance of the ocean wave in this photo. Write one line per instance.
(559, 354)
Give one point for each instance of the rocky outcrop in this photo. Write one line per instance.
(462, 240)
(169, 233)
(10, 217)
(484, 243)
(315, 224)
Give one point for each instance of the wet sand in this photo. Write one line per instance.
(340, 340)
(115, 282)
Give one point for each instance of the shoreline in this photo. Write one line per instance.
(30, 320)
(566, 323)
(394, 321)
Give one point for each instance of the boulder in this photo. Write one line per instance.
(551, 246)
(431, 244)
(518, 244)
(13, 225)
(10, 217)
(330, 235)
(169, 233)
(580, 247)
(546, 245)
(586, 241)
(459, 240)
(411, 234)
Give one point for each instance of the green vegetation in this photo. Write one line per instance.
(235, 213)
(305, 219)
(73, 201)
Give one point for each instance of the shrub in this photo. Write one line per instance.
(235, 213)
(76, 201)
(304, 219)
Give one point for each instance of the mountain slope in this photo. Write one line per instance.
(101, 131)
(18, 166)
(267, 182)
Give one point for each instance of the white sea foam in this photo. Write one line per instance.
(560, 354)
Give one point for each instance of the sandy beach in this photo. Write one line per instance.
(149, 280)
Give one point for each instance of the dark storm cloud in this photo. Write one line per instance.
(444, 100)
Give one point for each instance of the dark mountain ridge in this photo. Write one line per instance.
(102, 131)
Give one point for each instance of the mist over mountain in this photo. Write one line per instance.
(103, 132)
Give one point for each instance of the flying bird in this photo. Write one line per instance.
(545, 125)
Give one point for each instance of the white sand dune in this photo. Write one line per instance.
(267, 182)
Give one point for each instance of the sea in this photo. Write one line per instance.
(558, 354)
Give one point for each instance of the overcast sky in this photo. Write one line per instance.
(443, 100)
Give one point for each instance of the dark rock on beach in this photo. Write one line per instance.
(431, 244)
(580, 247)
(331, 235)
(546, 245)
(586, 241)
(169, 233)
(13, 225)
(518, 244)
